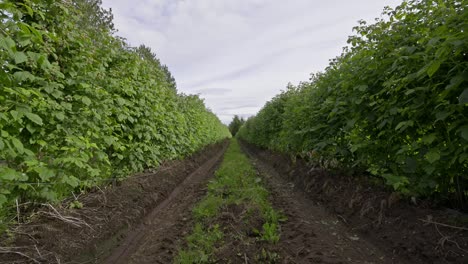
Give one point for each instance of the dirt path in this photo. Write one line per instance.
(311, 235)
(156, 240)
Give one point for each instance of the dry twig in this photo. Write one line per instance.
(14, 231)
(447, 239)
(37, 250)
(67, 219)
(342, 218)
(18, 211)
(445, 225)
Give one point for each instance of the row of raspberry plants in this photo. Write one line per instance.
(393, 104)
(79, 107)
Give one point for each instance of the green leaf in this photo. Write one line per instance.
(29, 9)
(428, 139)
(23, 76)
(71, 180)
(429, 169)
(432, 68)
(49, 194)
(455, 82)
(7, 43)
(464, 133)
(397, 182)
(33, 117)
(9, 174)
(24, 186)
(361, 88)
(18, 145)
(403, 125)
(4, 133)
(20, 57)
(411, 165)
(60, 116)
(15, 114)
(2, 145)
(355, 147)
(3, 200)
(86, 100)
(120, 101)
(433, 156)
(463, 157)
(45, 173)
(442, 115)
(30, 128)
(463, 98)
(24, 42)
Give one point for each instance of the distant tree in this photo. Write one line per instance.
(146, 53)
(235, 125)
(93, 15)
(169, 78)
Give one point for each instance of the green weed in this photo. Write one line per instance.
(236, 182)
(208, 207)
(200, 245)
(270, 233)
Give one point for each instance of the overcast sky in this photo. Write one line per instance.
(238, 54)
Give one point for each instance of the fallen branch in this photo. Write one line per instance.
(445, 225)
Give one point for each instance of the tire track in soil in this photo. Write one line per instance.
(310, 234)
(163, 230)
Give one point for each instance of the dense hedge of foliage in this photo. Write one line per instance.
(79, 107)
(394, 103)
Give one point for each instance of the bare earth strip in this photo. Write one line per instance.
(157, 238)
(311, 235)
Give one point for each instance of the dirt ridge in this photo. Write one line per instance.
(151, 225)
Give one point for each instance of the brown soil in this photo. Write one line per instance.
(311, 234)
(341, 219)
(140, 220)
(157, 239)
(241, 225)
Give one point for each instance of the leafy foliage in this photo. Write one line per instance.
(79, 107)
(394, 103)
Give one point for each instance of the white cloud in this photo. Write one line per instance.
(239, 54)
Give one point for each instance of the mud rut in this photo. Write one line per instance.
(157, 238)
(310, 235)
